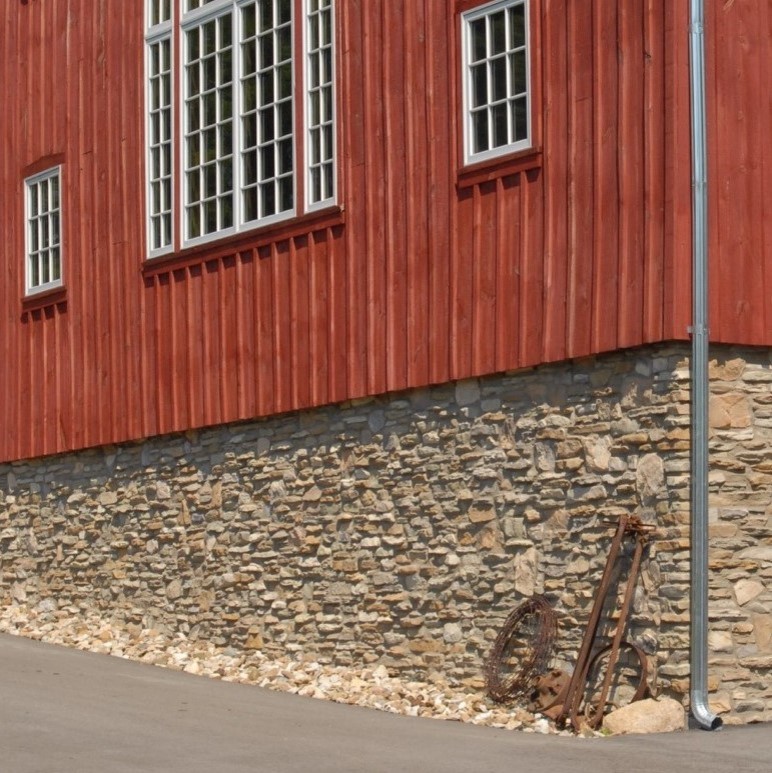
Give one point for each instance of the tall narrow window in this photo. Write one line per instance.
(208, 148)
(159, 127)
(44, 242)
(254, 136)
(496, 80)
(319, 106)
(267, 110)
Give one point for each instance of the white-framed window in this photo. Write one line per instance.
(496, 79)
(320, 100)
(43, 215)
(253, 136)
(160, 157)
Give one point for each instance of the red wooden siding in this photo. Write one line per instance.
(429, 272)
(740, 169)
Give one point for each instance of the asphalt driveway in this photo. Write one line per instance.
(64, 711)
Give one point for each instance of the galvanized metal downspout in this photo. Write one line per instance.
(700, 380)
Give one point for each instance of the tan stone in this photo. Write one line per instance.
(481, 511)
(490, 538)
(721, 530)
(720, 641)
(598, 454)
(745, 590)
(721, 702)
(762, 632)
(730, 410)
(525, 572)
(730, 370)
(650, 478)
(647, 716)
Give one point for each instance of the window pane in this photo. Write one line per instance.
(210, 180)
(56, 264)
(35, 272)
(250, 204)
(226, 211)
(285, 156)
(285, 11)
(500, 131)
(519, 73)
(285, 194)
(267, 199)
(517, 26)
(248, 21)
(210, 216)
(250, 168)
(267, 165)
(520, 118)
(480, 130)
(194, 221)
(209, 38)
(266, 15)
(194, 187)
(498, 79)
(478, 40)
(284, 78)
(250, 132)
(498, 31)
(479, 85)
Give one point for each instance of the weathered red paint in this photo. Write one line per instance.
(428, 272)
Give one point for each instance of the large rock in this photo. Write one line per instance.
(649, 716)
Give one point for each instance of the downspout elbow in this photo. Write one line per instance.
(701, 712)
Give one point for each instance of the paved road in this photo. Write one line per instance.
(64, 711)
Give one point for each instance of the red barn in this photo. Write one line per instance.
(253, 247)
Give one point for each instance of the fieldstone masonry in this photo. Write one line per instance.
(402, 530)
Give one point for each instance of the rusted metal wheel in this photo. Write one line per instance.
(629, 683)
(522, 650)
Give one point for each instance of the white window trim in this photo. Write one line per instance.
(154, 35)
(29, 290)
(330, 201)
(513, 147)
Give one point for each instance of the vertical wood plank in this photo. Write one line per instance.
(581, 145)
(556, 179)
(654, 189)
(604, 312)
(630, 160)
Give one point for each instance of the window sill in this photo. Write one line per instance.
(504, 166)
(252, 239)
(43, 299)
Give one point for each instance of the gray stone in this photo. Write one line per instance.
(467, 392)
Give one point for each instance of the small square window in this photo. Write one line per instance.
(43, 214)
(496, 80)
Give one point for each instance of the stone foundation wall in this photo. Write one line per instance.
(402, 530)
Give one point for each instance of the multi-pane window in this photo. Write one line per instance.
(320, 78)
(496, 79)
(246, 97)
(159, 126)
(208, 148)
(44, 242)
